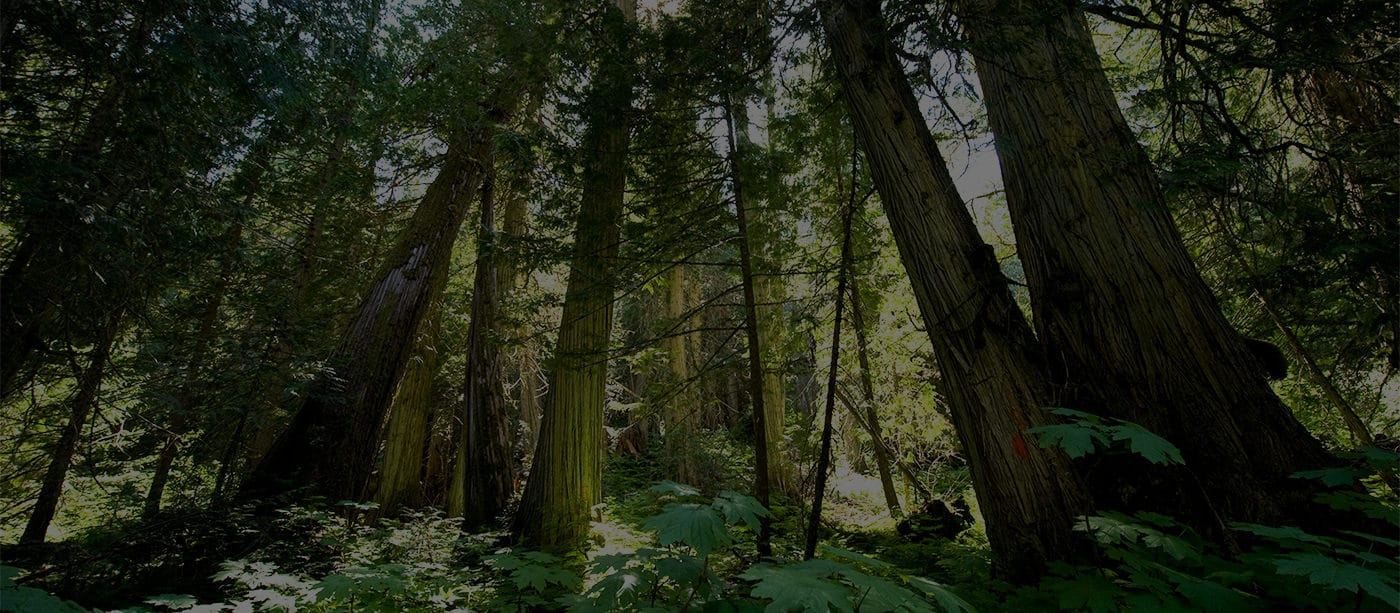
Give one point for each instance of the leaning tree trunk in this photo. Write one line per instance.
(871, 420)
(991, 370)
(332, 442)
(833, 375)
(1134, 331)
(89, 383)
(567, 473)
(487, 462)
(406, 437)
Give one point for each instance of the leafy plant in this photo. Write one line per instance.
(691, 531)
(17, 598)
(1155, 562)
(1086, 433)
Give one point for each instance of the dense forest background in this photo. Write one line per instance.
(725, 305)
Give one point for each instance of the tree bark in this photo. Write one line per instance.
(867, 384)
(89, 383)
(1133, 330)
(833, 374)
(769, 297)
(682, 404)
(332, 442)
(763, 473)
(406, 437)
(566, 475)
(486, 436)
(991, 370)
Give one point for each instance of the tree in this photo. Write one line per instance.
(566, 475)
(1132, 330)
(990, 367)
(485, 459)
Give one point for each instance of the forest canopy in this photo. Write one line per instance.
(727, 305)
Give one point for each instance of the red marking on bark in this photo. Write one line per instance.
(1019, 444)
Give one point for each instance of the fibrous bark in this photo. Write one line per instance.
(991, 370)
(1131, 328)
(566, 476)
(331, 444)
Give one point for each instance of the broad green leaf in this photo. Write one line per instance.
(539, 557)
(731, 606)
(682, 570)
(176, 602)
(1146, 444)
(1171, 545)
(1388, 542)
(1076, 415)
(539, 577)
(676, 489)
(941, 594)
(610, 562)
(273, 600)
(1110, 529)
(1076, 440)
(504, 561)
(795, 590)
(1331, 477)
(1325, 571)
(1281, 533)
(1087, 591)
(852, 556)
(699, 526)
(16, 598)
(738, 508)
(876, 594)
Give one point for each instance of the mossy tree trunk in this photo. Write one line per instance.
(565, 479)
(332, 443)
(406, 437)
(991, 369)
(682, 402)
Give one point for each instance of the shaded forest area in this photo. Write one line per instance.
(720, 305)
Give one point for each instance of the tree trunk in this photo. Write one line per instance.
(89, 383)
(682, 403)
(567, 473)
(515, 275)
(486, 436)
(763, 461)
(406, 437)
(332, 442)
(991, 371)
(867, 385)
(833, 374)
(1118, 303)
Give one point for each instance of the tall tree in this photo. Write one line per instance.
(400, 483)
(1133, 331)
(566, 475)
(80, 407)
(486, 461)
(989, 365)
